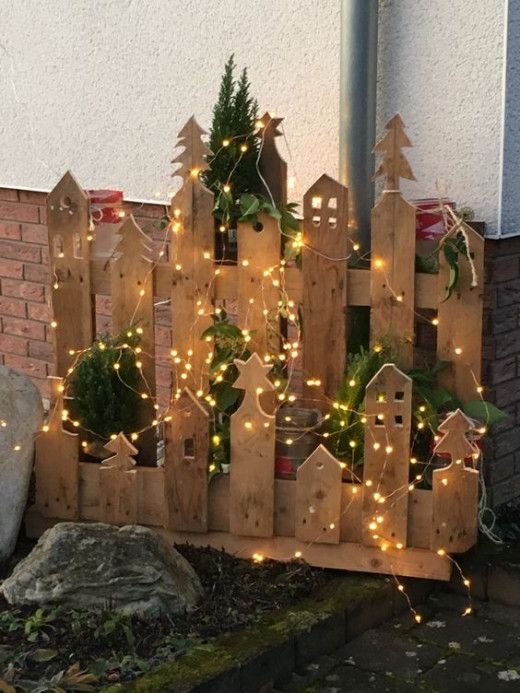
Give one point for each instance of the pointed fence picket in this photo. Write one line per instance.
(384, 524)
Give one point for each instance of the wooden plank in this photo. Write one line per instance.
(132, 293)
(118, 496)
(186, 465)
(192, 253)
(57, 463)
(420, 518)
(393, 251)
(258, 272)
(455, 489)
(272, 167)
(387, 457)
(68, 222)
(459, 334)
(252, 454)
(318, 498)
(132, 307)
(225, 284)
(344, 556)
(325, 227)
(119, 484)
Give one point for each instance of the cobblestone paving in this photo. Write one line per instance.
(445, 653)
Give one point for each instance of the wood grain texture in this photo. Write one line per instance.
(318, 498)
(455, 489)
(191, 259)
(387, 457)
(252, 455)
(186, 465)
(68, 221)
(392, 291)
(57, 464)
(324, 277)
(118, 495)
(392, 275)
(460, 322)
(259, 252)
(272, 167)
(226, 282)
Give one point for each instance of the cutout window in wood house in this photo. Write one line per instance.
(189, 447)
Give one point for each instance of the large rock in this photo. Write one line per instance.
(22, 412)
(99, 566)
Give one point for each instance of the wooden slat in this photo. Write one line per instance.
(132, 307)
(259, 252)
(318, 498)
(192, 252)
(393, 250)
(344, 556)
(387, 457)
(460, 322)
(225, 285)
(272, 167)
(325, 209)
(69, 252)
(186, 465)
(420, 518)
(118, 495)
(57, 464)
(455, 489)
(252, 455)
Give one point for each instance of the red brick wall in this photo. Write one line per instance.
(25, 336)
(501, 366)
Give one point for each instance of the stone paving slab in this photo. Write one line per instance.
(445, 653)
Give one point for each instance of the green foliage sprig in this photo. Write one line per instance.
(106, 400)
(430, 402)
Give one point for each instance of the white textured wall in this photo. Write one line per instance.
(102, 86)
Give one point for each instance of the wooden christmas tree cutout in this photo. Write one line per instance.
(192, 160)
(133, 243)
(394, 164)
(454, 442)
(124, 453)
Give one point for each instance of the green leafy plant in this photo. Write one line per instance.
(105, 386)
(115, 624)
(38, 622)
(344, 426)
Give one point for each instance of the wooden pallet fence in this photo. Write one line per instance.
(317, 516)
(383, 524)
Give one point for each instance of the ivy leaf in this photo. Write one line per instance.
(272, 210)
(484, 411)
(249, 204)
(452, 258)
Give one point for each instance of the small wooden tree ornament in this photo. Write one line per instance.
(252, 454)
(455, 489)
(392, 276)
(119, 483)
(186, 465)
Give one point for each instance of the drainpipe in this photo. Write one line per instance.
(358, 75)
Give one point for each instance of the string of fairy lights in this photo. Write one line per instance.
(272, 277)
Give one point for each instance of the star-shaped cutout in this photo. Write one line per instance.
(253, 374)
